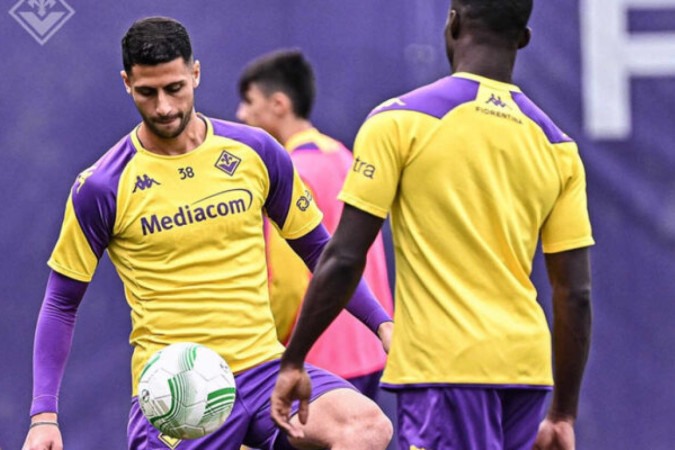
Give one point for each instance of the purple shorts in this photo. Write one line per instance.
(249, 423)
(368, 385)
(467, 418)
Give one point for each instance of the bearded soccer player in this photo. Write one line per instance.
(473, 174)
(178, 203)
(277, 94)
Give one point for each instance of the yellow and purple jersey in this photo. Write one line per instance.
(185, 234)
(323, 164)
(472, 173)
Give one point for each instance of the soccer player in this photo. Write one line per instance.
(178, 203)
(277, 94)
(473, 173)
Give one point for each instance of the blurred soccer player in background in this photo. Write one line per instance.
(473, 173)
(277, 94)
(178, 203)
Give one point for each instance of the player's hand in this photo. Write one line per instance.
(43, 437)
(385, 332)
(555, 434)
(293, 383)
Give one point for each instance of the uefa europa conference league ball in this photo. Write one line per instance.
(186, 390)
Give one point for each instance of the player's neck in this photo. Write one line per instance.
(291, 127)
(486, 61)
(192, 137)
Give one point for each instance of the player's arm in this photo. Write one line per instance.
(363, 304)
(335, 279)
(53, 338)
(570, 277)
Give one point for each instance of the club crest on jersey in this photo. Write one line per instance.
(228, 163)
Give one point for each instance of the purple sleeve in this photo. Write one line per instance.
(53, 338)
(363, 304)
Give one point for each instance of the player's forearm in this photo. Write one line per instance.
(365, 307)
(571, 342)
(53, 338)
(363, 304)
(332, 285)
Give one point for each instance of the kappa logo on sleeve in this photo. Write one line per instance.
(82, 177)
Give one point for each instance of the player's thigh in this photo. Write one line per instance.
(340, 416)
(262, 432)
(450, 418)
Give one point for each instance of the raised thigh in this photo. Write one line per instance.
(263, 432)
(449, 418)
(346, 419)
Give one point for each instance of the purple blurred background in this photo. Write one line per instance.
(603, 69)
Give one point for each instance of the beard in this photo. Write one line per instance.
(155, 124)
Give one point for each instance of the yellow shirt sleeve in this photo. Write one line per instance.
(372, 183)
(568, 225)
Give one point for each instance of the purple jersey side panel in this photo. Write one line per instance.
(469, 419)
(250, 422)
(94, 195)
(527, 106)
(275, 158)
(435, 99)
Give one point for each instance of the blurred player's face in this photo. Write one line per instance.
(259, 110)
(164, 95)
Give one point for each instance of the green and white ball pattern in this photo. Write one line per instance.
(186, 390)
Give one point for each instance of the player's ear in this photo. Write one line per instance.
(127, 83)
(196, 73)
(453, 25)
(281, 103)
(525, 38)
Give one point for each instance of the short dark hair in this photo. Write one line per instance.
(155, 40)
(507, 18)
(284, 70)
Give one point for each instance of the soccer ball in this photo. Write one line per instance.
(186, 390)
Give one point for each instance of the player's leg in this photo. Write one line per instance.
(344, 419)
(522, 412)
(450, 418)
(339, 416)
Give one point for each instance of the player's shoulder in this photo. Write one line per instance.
(314, 143)
(273, 156)
(530, 109)
(103, 176)
(435, 99)
(253, 137)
